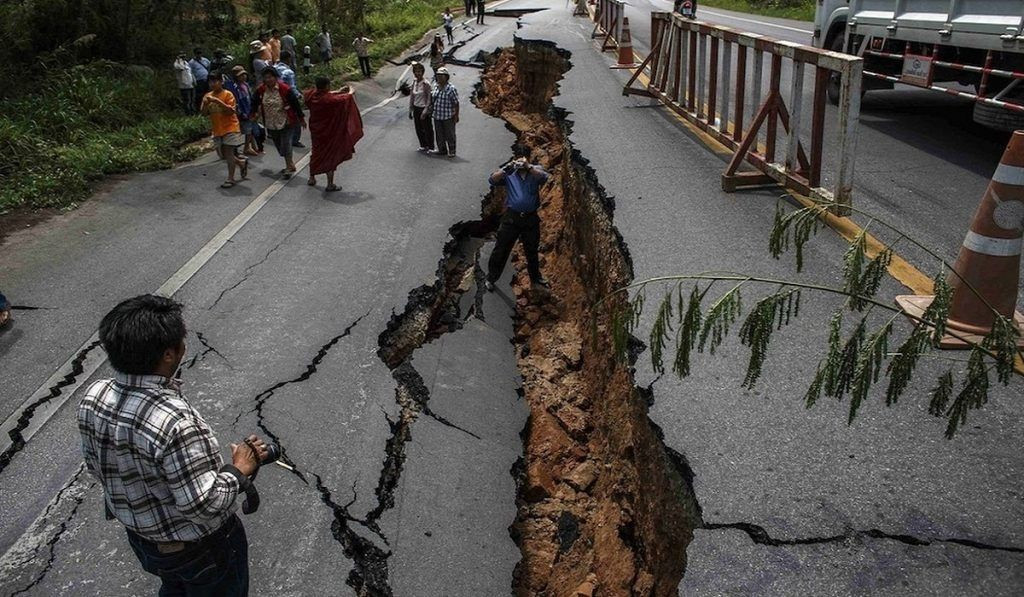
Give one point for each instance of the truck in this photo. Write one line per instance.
(972, 49)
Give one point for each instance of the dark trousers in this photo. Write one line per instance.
(448, 32)
(524, 227)
(444, 133)
(424, 128)
(469, 7)
(479, 13)
(364, 65)
(201, 88)
(217, 566)
(188, 100)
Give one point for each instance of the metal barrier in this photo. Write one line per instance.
(704, 72)
(608, 22)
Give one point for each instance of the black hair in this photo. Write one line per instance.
(215, 76)
(197, 50)
(286, 56)
(322, 83)
(270, 70)
(138, 331)
(273, 31)
(288, 30)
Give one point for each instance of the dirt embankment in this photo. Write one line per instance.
(603, 507)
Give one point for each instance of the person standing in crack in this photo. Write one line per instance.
(522, 181)
(157, 460)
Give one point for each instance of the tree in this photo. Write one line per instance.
(853, 361)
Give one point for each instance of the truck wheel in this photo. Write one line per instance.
(832, 89)
(998, 119)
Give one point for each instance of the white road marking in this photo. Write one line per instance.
(741, 19)
(45, 411)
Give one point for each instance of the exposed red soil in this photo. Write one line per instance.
(601, 509)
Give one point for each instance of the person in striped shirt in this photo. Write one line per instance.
(444, 107)
(157, 459)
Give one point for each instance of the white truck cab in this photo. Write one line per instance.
(968, 48)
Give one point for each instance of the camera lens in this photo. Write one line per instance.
(273, 453)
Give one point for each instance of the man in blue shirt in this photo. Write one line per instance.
(201, 72)
(522, 181)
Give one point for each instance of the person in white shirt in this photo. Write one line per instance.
(361, 44)
(186, 84)
(323, 43)
(449, 21)
(419, 107)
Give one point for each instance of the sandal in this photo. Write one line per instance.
(285, 174)
(332, 187)
(311, 182)
(227, 184)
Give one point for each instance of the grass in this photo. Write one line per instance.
(799, 10)
(85, 123)
(90, 121)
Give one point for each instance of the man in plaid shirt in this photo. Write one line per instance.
(157, 460)
(445, 111)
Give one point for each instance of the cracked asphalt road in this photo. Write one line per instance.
(273, 307)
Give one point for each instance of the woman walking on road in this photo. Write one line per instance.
(419, 107)
(334, 128)
(449, 21)
(436, 54)
(278, 108)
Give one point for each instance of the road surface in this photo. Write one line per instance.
(311, 281)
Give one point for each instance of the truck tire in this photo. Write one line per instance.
(998, 119)
(836, 45)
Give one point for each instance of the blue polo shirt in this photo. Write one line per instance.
(522, 194)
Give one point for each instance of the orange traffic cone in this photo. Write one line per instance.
(989, 260)
(626, 58)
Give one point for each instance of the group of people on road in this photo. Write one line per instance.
(179, 509)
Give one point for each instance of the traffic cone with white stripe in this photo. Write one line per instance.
(989, 260)
(626, 58)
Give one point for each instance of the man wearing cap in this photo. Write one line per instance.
(243, 104)
(444, 109)
(522, 181)
(256, 52)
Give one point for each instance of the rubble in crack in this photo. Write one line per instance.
(603, 507)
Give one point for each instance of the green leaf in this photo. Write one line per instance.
(720, 316)
(941, 394)
(758, 327)
(689, 329)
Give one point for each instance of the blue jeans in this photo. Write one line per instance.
(216, 567)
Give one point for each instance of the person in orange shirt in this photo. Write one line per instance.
(219, 105)
(275, 46)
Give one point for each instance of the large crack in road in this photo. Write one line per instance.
(25, 417)
(602, 502)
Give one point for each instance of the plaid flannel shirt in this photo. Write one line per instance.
(445, 100)
(156, 458)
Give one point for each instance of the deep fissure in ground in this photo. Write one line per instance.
(602, 504)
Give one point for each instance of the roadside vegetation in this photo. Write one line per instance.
(800, 10)
(95, 96)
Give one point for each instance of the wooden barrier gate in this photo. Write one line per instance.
(608, 22)
(693, 72)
